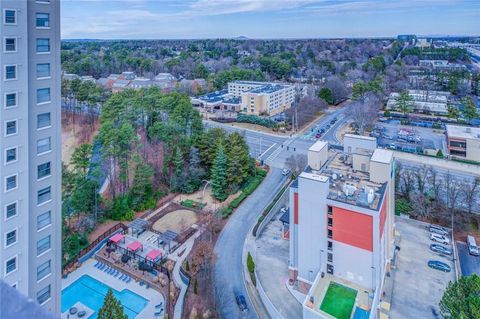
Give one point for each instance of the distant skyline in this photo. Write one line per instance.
(178, 19)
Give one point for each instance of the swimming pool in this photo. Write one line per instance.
(91, 293)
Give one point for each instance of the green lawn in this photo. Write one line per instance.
(339, 301)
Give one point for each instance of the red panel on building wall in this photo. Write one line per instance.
(383, 213)
(295, 208)
(352, 228)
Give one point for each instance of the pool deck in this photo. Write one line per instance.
(88, 268)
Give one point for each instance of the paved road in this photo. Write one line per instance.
(228, 269)
(468, 264)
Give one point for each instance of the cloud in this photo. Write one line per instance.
(219, 7)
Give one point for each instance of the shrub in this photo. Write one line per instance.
(237, 201)
(402, 206)
(250, 263)
(440, 153)
(254, 119)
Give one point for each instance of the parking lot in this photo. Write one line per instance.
(417, 289)
(469, 264)
(394, 135)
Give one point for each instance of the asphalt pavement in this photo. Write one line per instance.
(228, 270)
(469, 264)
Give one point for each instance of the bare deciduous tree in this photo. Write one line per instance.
(471, 194)
(296, 163)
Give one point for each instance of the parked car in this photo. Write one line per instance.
(318, 135)
(440, 249)
(438, 230)
(332, 122)
(435, 264)
(322, 130)
(439, 239)
(392, 146)
(472, 245)
(241, 302)
(285, 172)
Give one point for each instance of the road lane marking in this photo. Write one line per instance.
(260, 157)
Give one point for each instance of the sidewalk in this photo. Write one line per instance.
(184, 249)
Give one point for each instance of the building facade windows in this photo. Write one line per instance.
(10, 238)
(10, 45)
(44, 270)
(43, 295)
(11, 210)
(329, 257)
(43, 245)
(330, 269)
(43, 20)
(44, 195)
(10, 100)
(44, 145)
(43, 95)
(43, 120)
(43, 70)
(10, 265)
(44, 220)
(10, 127)
(330, 233)
(43, 45)
(10, 16)
(43, 170)
(10, 72)
(11, 155)
(329, 245)
(11, 182)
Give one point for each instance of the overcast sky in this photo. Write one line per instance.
(167, 19)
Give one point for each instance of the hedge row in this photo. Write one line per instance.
(254, 119)
(248, 189)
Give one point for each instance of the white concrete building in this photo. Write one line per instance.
(30, 145)
(341, 225)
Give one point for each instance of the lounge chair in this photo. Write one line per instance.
(158, 313)
(159, 305)
(98, 262)
(101, 266)
(81, 314)
(121, 277)
(129, 279)
(116, 274)
(141, 282)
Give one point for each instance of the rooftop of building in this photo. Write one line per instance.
(267, 89)
(324, 296)
(465, 132)
(348, 185)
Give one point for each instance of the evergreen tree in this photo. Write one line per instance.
(111, 309)
(81, 158)
(461, 299)
(219, 179)
(142, 188)
(404, 102)
(238, 161)
(326, 94)
(469, 109)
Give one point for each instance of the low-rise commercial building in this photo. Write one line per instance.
(464, 142)
(341, 227)
(424, 101)
(219, 100)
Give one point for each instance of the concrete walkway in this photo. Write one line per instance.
(184, 250)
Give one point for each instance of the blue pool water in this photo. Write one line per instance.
(91, 293)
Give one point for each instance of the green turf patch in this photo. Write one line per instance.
(339, 301)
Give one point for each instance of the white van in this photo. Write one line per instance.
(472, 245)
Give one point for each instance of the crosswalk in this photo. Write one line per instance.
(278, 150)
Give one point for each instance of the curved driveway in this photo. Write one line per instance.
(228, 268)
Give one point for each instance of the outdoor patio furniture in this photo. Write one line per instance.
(158, 313)
(73, 310)
(81, 314)
(159, 305)
(129, 279)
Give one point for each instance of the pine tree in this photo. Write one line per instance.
(219, 180)
(461, 299)
(111, 309)
(404, 102)
(239, 167)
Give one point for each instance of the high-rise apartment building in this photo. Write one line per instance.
(30, 148)
(341, 226)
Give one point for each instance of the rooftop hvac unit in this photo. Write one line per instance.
(349, 190)
(370, 196)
